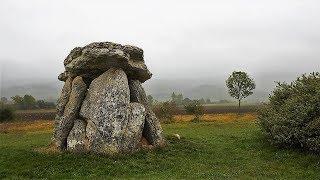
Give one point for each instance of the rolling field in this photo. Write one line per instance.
(225, 146)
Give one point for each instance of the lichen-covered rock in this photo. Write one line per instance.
(108, 91)
(61, 104)
(77, 140)
(71, 112)
(63, 76)
(98, 57)
(152, 129)
(114, 124)
(64, 96)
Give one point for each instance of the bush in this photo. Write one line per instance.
(292, 117)
(44, 104)
(195, 108)
(25, 102)
(165, 111)
(6, 113)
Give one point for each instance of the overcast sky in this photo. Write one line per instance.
(181, 39)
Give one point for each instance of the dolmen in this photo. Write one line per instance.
(103, 107)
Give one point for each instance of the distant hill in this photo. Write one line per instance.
(42, 90)
(160, 89)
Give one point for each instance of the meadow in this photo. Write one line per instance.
(224, 146)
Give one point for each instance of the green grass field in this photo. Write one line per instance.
(215, 150)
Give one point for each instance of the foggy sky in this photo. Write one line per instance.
(181, 39)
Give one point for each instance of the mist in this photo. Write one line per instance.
(188, 45)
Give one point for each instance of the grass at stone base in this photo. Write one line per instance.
(218, 150)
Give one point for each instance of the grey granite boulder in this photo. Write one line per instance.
(77, 140)
(114, 124)
(64, 96)
(152, 129)
(71, 112)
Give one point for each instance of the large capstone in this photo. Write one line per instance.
(96, 58)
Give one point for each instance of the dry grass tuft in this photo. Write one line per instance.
(48, 150)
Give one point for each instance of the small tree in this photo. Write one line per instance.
(25, 102)
(6, 113)
(29, 102)
(195, 108)
(240, 85)
(42, 104)
(186, 101)
(18, 101)
(177, 98)
(4, 100)
(165, 111)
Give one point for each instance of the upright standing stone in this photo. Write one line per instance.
(152, 129)
(64, 96)
(114, 124)
(62, 101)
(71, 112)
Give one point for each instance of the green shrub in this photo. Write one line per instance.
(292, 117)
(195, 108)
(165, 111)
(6, 113)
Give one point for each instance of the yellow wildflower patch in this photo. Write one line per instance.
(31, 126)
(47, 125)
(229, 117)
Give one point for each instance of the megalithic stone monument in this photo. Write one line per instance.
(103, 107)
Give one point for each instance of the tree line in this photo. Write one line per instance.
(27, 102)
